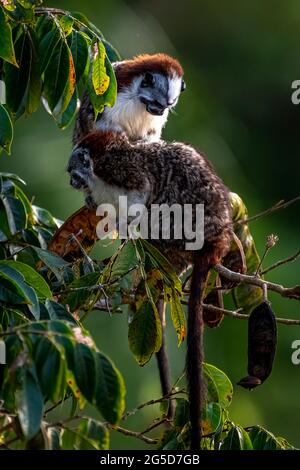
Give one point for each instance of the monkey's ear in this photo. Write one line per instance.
(183, 85)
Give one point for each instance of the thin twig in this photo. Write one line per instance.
(155, 425)
(130, 433)
(290, 292)
(281, 262)
(127, 414)
(279, 205)
(242, 316)
(57, 404)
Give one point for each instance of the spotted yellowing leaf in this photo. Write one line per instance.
(100, 78)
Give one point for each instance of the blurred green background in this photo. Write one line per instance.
(240, 59)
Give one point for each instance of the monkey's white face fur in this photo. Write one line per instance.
(141, 110)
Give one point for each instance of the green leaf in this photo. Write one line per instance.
(124, 260)
(110, 389)
(47, 46)
(57, 74)
(69, 90)
(50, 369)
(35, 83)
(100, 79)
(65, 119)
(44, 24)
(6, 44)
(44, 217)
(85, 370)
(66, 22)
(211, 418)
(92, 435)
(177, 313)
(219, 387)
(112, 53)
(237, 439)
(29, 402)
(80, 53)
(263, 439)
(159, 261)
(32, 277)
(6, 130)
(59, 312)
(16, 214)
(11, 176)
(23, 289)
(17, 79)
(145, 333)
(5, 233)
(109, 97)
(55, 263)
(181, 413)
(10, 293)
(26, 203)
(83, 298)
(245, 296)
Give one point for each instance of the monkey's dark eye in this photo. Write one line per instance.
(148, 80)
(183, 85)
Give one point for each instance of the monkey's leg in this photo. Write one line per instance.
(163, 361)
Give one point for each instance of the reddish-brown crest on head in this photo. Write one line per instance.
(127, 70)
(97, 142)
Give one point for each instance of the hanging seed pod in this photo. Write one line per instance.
(262, 341)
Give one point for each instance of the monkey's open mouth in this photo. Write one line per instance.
(153, 107)
(77, 181)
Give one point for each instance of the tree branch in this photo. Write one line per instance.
(290, 292)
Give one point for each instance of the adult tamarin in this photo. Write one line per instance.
(107, 165)
(148, 87)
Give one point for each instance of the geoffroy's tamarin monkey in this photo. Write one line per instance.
(107, 165)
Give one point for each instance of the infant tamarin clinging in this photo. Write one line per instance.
(106, 165)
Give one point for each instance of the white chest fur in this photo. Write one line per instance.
(103, 193)
(129, 115)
